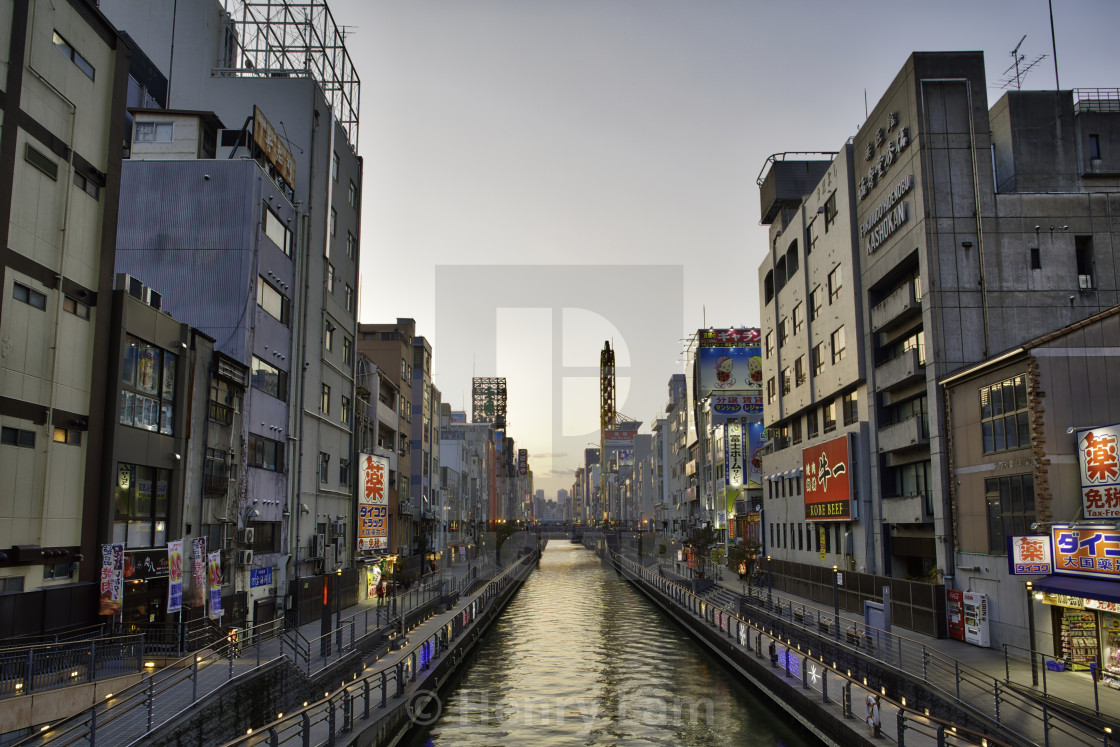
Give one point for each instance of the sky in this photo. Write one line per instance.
(541, 176)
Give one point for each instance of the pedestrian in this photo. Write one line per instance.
(873, 724)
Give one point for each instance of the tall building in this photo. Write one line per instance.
(955, 232)
(267, 267)
(64, 99)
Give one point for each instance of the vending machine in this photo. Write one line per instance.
(954, 610)
(975, 619)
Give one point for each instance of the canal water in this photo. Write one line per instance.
(581, 657)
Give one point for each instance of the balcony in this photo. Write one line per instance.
(904, 435)
(220, 413)
(915, 508)
(900, 370)
(901, 306)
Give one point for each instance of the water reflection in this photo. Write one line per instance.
(580, 657)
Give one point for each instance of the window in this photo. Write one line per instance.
(70, 436)
(798, 318)
(829, 211)
(816, 358)
(328, 282)
(87, 185)
(269, 379)
(334, 222)
(851, 408)
(140, 507)
(29, 296)
(224, 401)
(799, 370)
(347, 351)
(1095, 146)
(344, 473)
(351, 245)
(345, 413)
(795, 429)
(328, 335)
(75, 307)
(276, 231)
(835, 283)
(324, 465)
(266, 537)
(148, 391)
(325, 398)
(1083, 246)
(768, 286)
(264, 453)
(783, 332)
(906, 480)
(273, 301)
(1004, 416)
(816, 302)
(771, 391)
(217, 472)
(838, 346)
(154, 132)
(352, 195)
(1036, 258)
(811, 424)
(73, 55)
(349, 298)
(1010, 509)
(792, 260)
(769, 344)
(785, 380)
(334, 167)
(829, 416)
(17, 437)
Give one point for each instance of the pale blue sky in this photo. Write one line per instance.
(586, 132)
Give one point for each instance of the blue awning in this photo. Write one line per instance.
(1086, 588)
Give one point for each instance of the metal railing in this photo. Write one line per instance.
(1021, 717)
(1036, 666)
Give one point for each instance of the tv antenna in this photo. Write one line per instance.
(1020, 70)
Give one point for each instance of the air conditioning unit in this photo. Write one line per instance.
(338, 527)
(130, 285)
(1085, 282)
(318, 545)
(244, 557)
(245, 536)
(153, 298)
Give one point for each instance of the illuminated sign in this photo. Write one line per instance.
(729, 362)
(522, 461)
(1100, 471)
(1086, 551)
(828, 489)
(1029, 556)
(373, 503)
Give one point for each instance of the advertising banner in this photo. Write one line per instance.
(1029, 556)
(755, 441)
(1092, 551)
(174, 575)
(729, 361)
(1100, 471)
(726, 406)
(373, 503)
(112, 579)
(828, 490)
(619, 438)
(522, 461)
(214, 563)
(198, 572)
(260, 577)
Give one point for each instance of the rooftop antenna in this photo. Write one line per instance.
(1016, 78)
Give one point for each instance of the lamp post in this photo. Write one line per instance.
(1030, 630)
(769, 582)
(836, 597)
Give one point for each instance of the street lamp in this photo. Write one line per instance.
(1030, 629)
(836, 597)
(769, 582)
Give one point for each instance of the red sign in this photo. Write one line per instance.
(373, 503)
(828, 487)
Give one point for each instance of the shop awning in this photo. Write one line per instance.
(1086, 588)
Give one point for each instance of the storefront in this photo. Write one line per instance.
(145, 586)
(1086, 621)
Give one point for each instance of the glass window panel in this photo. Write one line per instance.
(167, 418)
(985, 403)
(997, 399)
(129, 367)
(1000, 437)
(1024, 427)
(168, 376)
(148, 368)
(160, 538)
(139, 534)
(145, 478)
(127, 404)
(1016, 488)
(161, 493)
(1020, 392)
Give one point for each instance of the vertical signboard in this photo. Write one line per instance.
(522, 461)
(214, 564)
(373, 503)
(112, 579)
(198, 572)
(828, 489)
(174, 575)
(1099, 460)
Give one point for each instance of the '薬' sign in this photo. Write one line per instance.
(1029, 556)
(1098, 457)
(373, 503)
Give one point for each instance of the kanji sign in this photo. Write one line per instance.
(1029, 556)
(828, 490)
(1087, 550)
(1099, 459)
(373, 503)
(734, 449)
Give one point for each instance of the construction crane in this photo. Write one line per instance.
(606, 412)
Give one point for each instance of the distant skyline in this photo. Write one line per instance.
(587, 133)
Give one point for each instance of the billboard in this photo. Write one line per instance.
(1029, 555)
(488, 401)
(522, 461)
(828, 485)
(725, 406)
(1092, 551)
(373, 503)
(755, 442)
(273, 147)
(729, 361)
(1100, 471)
(619, 439)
